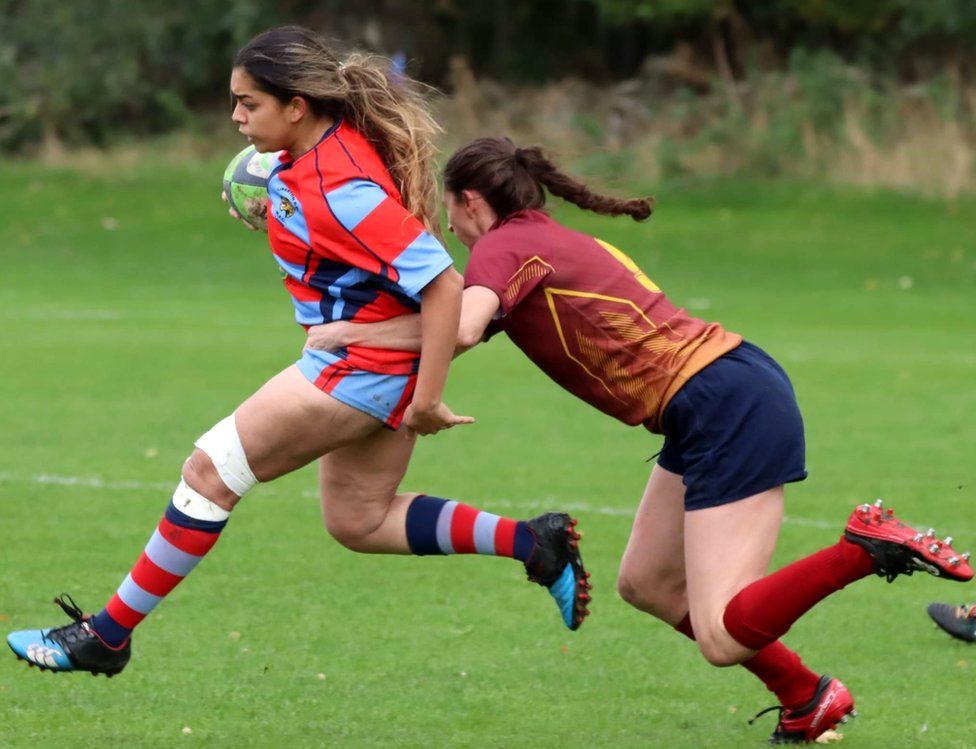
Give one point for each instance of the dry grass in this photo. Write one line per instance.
(648, 128)
(665, 123)
(932, 155)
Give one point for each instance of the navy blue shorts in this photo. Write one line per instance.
(734, 430)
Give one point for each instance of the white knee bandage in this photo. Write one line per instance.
(197, 506)
(223, 446)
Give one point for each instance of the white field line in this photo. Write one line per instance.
(74, 315)
(95, 482)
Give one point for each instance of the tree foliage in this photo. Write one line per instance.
(81, 71)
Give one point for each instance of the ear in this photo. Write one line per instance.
(296, 109)
(470, 198)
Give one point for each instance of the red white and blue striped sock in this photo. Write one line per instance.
(441, 526)
(177, 546)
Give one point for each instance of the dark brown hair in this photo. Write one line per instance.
(513, 179)
(391, 112)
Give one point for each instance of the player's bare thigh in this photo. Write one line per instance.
(652, 570)
(359, 481)
(726, 548)
(285, 425)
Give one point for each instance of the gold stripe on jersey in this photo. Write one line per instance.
(550, 294)
(626, 327)
(534, 267)
(601, 365)
(630, 265)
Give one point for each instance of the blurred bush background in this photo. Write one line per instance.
(876, 92)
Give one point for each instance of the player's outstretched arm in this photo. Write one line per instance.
(440, 311)
(478, 306)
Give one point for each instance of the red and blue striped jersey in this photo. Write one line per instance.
(347, 247)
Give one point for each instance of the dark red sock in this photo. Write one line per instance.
(784, 674)
(776, 666)
(764, 611)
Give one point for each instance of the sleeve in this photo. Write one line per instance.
(493, 328)
(508, 266)
(391, 241)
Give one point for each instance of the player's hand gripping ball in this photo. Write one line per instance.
(246, 186)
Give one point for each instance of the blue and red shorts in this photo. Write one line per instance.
(734, 430)
(382, 396)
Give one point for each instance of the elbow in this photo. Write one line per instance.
(468, 338)
(470, 333)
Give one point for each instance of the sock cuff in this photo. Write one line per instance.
(523, 542)
(685, 628)
(741, 631)
(108, 630)
(190, 509)
(422, 516)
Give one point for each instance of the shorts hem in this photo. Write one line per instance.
(381, 416)
(663, 464)
(744, 494)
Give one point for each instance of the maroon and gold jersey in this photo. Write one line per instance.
(590, 319)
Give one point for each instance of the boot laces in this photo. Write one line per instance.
(69, 632)
(780, 708)
(68, 606)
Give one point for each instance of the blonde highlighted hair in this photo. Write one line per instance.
(388, 108)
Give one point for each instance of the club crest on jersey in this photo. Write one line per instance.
(285, 205)
(286, 208)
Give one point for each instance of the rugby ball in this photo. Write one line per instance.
(246, 185)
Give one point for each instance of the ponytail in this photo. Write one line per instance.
(512, 179)
(563, 186)
(394, 117)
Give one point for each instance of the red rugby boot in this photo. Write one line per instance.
(831, 704)
(899, 549)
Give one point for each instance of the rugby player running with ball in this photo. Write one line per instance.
(353, 212)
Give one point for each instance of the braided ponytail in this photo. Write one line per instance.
(513, 179)
(563, 186)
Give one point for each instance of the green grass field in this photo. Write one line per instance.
(135, 315)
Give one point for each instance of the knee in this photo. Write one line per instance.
(633, 593)
(351, 529)
(352, 533)
(200, 475)
(663, 597)
(718, 657)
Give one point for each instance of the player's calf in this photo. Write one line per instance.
(188, 530)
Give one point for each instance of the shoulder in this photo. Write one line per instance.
(517, 248)
(353, 200)
(343, 179)
(353, 157)
(520, 231)
(341, 155)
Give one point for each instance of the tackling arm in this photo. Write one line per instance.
(478, 306)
